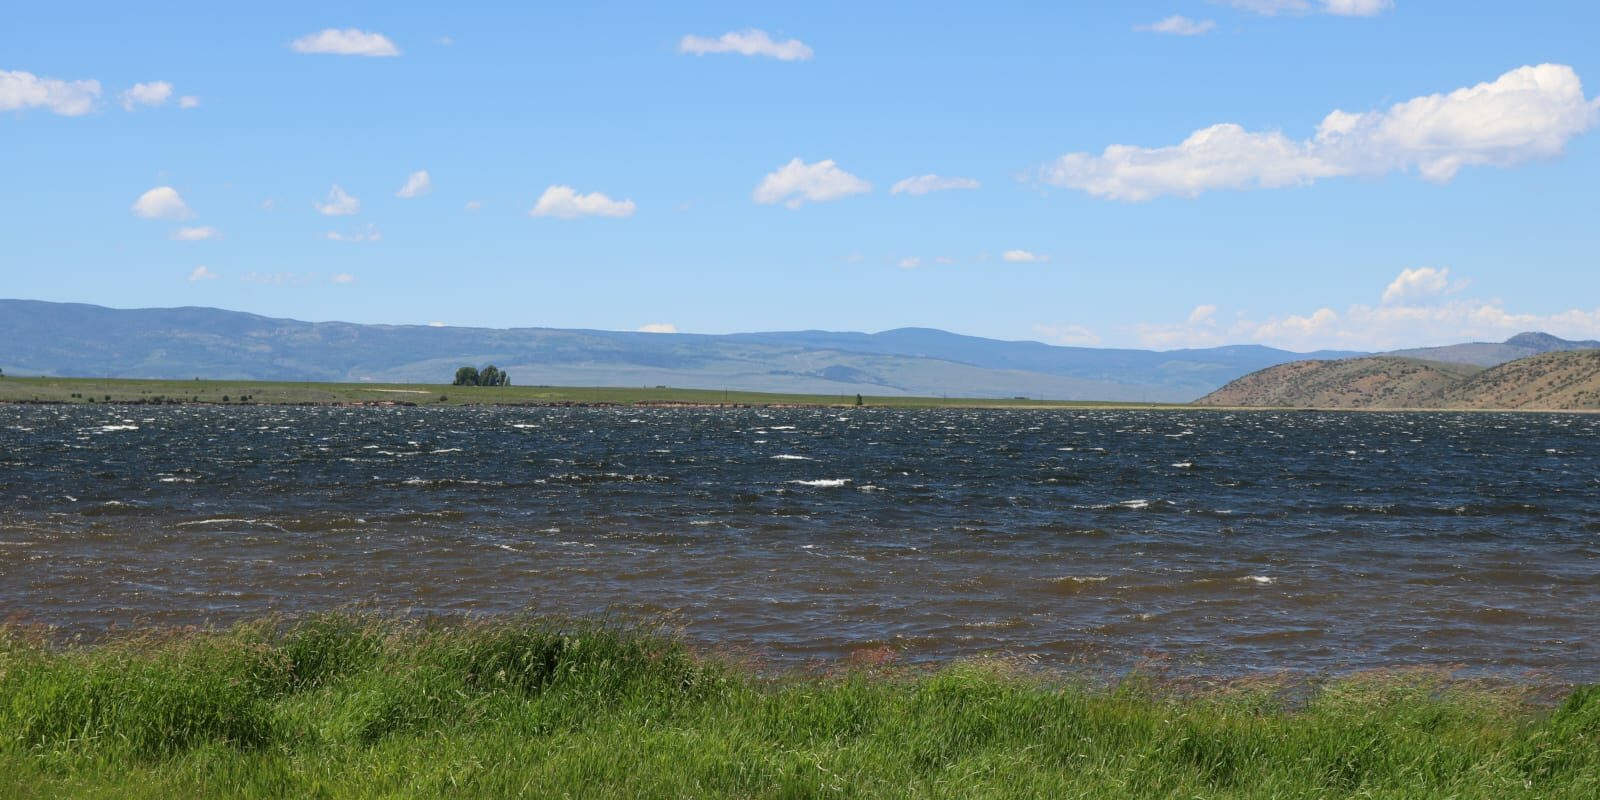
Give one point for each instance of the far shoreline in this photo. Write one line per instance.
(47, 390)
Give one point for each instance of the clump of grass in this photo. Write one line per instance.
(357, 705)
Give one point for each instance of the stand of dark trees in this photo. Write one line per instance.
(488, 376)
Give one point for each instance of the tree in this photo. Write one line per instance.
(466, 376)
(492, 376)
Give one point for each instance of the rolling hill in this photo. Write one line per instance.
(1554, 380)
(69, 339)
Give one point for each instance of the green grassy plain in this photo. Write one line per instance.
(86, 390)
(346, 706)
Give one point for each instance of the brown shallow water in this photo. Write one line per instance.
(1212, 541)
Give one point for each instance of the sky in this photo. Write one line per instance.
(1306, 174)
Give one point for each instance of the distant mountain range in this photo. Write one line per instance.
(70, 339)
(1560, 378)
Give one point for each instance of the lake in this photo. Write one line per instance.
(1202, 541)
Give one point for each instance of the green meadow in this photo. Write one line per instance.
(353, 706)
(115, 390)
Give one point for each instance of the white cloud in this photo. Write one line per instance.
(1421, 307)
(162, 202)
(202, 273)
(437, 324)
(343, 277)
(339, 204)
(1417, 284)
(1203, 315)
(796, 182)
(1075, 335)
(21, 90)
(751, 42)
(417, 184)
(923, 184)
(151, 94)
(196, 234)
(371, 234)
(1022, 257)
(909, 262)
(1343, 8)
(347, 42)
(1525, 114)
(1356, 8)
(564, 202)
(188, 101)
(658, 327)
(1178, 25)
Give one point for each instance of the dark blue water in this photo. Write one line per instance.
(1211, 541)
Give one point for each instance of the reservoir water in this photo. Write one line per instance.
(1204, 541)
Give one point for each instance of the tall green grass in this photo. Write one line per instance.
(352, 706)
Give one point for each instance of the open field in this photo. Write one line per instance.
(99, 390)
(350, 706)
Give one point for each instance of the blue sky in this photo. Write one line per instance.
(719, 167)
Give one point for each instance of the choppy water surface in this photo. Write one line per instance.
(1217, 542)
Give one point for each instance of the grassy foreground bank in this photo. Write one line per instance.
(347, 706)
(119, 390)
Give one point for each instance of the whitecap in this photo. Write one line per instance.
(1261, 579)
(824, 483)
(1184, 465)
(789, 457)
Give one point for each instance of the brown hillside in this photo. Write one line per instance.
(1374, 382)
(1565, 380)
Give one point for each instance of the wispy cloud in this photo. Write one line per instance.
(371, 234)
(564, 202)
(202, 273)
(196, 234)
(752, 42)
(346, 42)
(162, 202)
(1342, 8)
(1022, 257)
(338, 204)
(188, 101)
(796, 182)
(24, 90)
(1527, 113)
(658, 327)
(417, 184)
(1178, 25)
(924, 184)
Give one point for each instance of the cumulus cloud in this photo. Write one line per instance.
(658, 327)
(196, 234)
(347, 42)
(162, 202)
(752, 42)
(1421, 307)
(923, 184)
(23, 90)
(338, 204)
(1525, 114)
(564, 202)
(152, 94)
(1343, 8)
(417, 184)
(1417, 284)
(1022, 257)
(1178, 25)
(202, 273)
(188, 101)
(796, 182)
